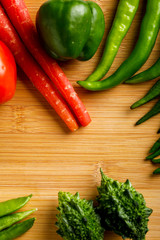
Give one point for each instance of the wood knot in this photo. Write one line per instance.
(18, 118)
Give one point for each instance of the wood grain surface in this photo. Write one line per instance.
(39, 155)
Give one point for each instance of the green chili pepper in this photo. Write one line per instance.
(13, 205)
(154, 111)
(152, 93)
(157, 171)
(16, 230)
(149, 74)
(156, 160)
(9, 220)
(148, 33)
(156, 146)
(124, 16)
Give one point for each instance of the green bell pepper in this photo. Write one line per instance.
(70, 29)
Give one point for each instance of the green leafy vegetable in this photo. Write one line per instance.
(122, 209)
(77, 219)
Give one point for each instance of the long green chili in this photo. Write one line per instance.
(152, 93)
(149, 74)
(148, 33)
(124, 16)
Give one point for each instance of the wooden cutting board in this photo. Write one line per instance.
(39, 155)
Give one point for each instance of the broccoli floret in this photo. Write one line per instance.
(122, 209)
(77, 219)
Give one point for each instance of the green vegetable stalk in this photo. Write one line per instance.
(154, 111)
(77, 219)
(152, 93)
(156, 146)
(122, 209)
(157, 171)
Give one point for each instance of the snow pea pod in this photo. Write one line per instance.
(154, 111)
(148, 33)
(149, 74)
(152, 93)
(9, 220)
(16, 230)
(124, 16)
(13, 205)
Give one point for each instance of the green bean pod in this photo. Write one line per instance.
(124, 16)
(151, 94)
(148, 33)
(157, 171)
(16, 230)
(156, 146)
(149, 74)
(9, 220)
(13, 205)
(154, 111)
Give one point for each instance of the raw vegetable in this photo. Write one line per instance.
(122, 209)
(16, 230)
(156, 160)
(9, 228)
(13, 205)
(71, 29)
(8, 74)
(154, 111)
(11, 219)
(148, 33)
(34, 72)
(157, 171)
(149, 74)
(124, 16)
(156, 146)
(77, 219)
(19, 15)
(156, 153)
(152, 93)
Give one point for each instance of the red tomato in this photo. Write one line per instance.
(8, 74)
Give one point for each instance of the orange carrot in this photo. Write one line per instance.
(20, 18)
(39, 79)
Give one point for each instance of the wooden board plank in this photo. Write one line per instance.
(38, 155)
